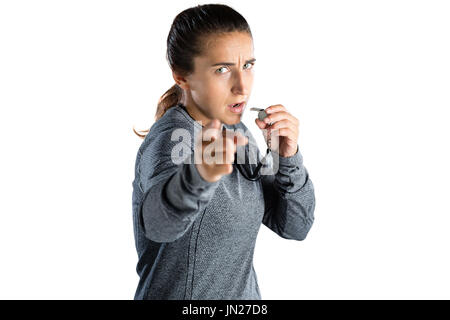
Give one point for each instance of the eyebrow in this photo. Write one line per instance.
(231, 63)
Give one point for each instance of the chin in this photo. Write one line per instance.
(235, 120)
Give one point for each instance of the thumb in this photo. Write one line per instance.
(214, 123)
(260, 124)
(211, 130)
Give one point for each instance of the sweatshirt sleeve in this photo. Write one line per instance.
(289, 198)
(173, 194)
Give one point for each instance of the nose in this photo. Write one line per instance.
(241, 84)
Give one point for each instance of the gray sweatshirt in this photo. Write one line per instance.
(195, 239)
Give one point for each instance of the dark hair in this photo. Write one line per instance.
(185, 41)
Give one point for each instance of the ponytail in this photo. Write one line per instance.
(169, 99)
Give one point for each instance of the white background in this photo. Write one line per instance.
(368, 80)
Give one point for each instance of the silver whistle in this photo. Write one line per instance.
(261, 113)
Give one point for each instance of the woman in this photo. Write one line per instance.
(196, 218)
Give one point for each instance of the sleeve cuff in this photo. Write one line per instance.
(196, 182)
(291, 175)
(292, 161)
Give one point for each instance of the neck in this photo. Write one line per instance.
(195, 112)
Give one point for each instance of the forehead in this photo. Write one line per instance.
(227, 47)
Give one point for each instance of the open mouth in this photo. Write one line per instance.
(237, 107)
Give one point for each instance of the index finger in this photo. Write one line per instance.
(275, 108)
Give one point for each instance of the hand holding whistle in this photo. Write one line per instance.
(277, 121)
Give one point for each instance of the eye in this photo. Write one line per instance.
(250, 63)
(218, 70)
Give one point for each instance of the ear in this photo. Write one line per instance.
(180, 81)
